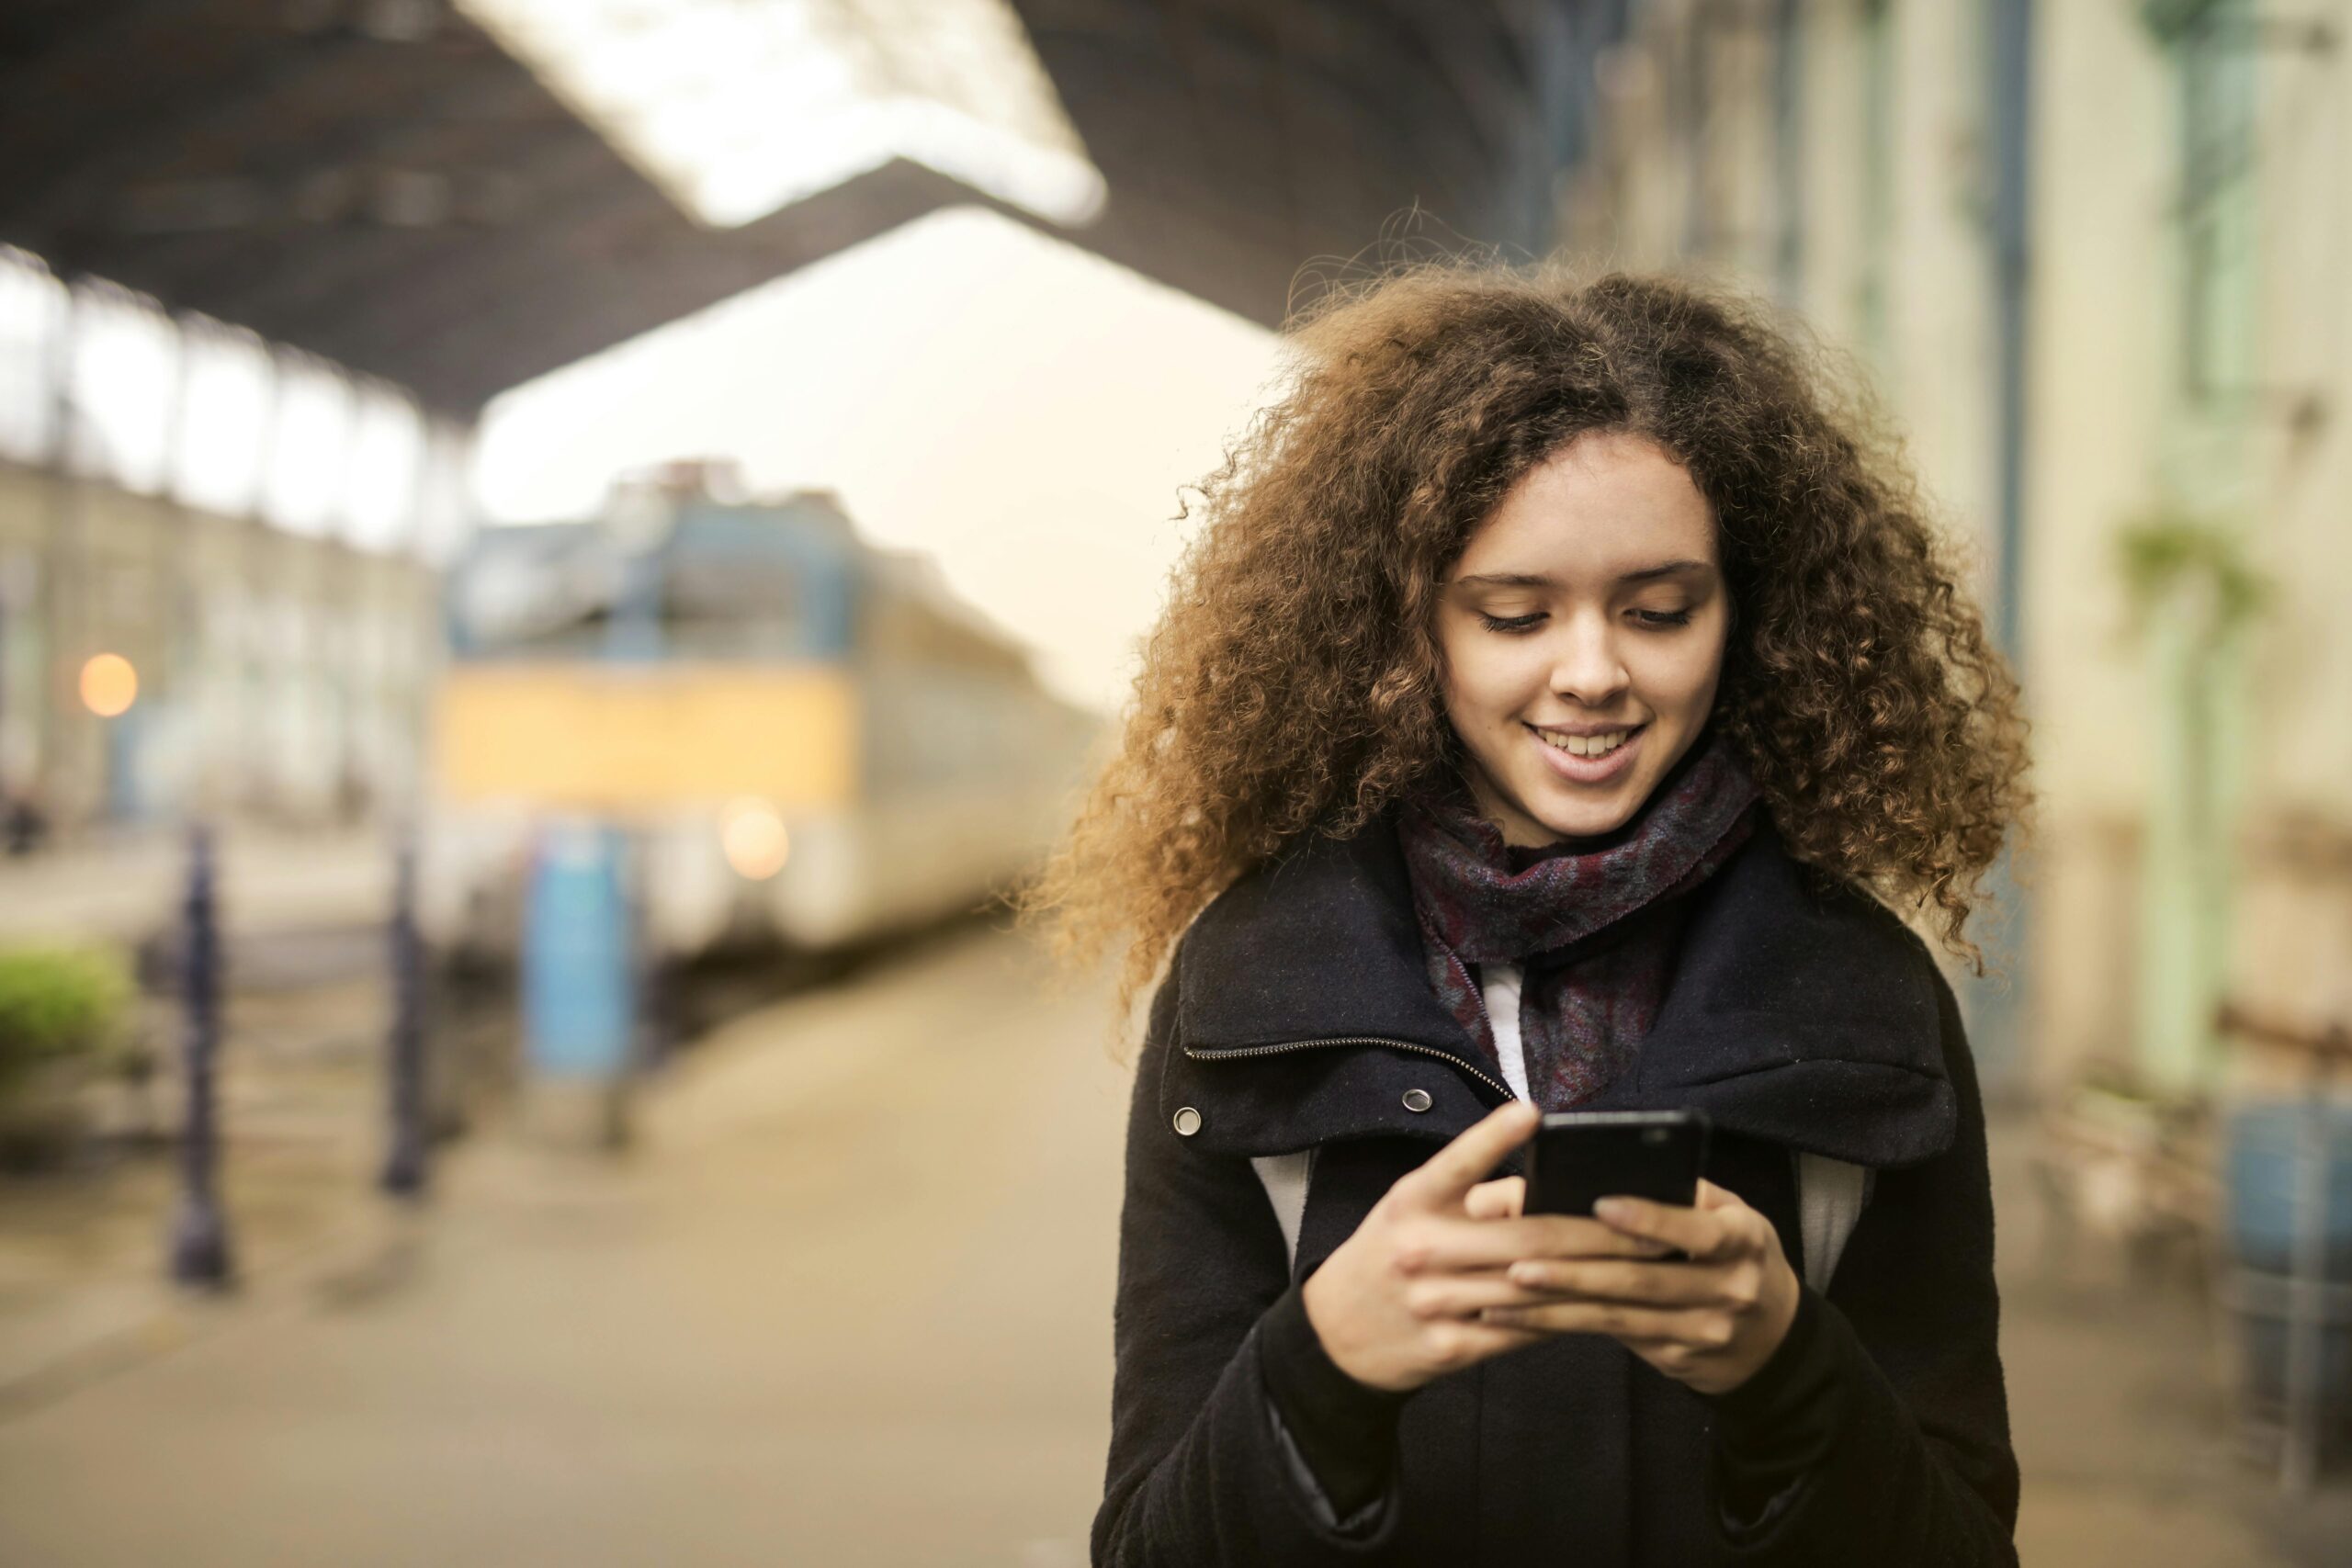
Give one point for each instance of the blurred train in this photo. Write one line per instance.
(808, 741)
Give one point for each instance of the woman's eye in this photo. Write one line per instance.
(1511, 623)
(1663, 617)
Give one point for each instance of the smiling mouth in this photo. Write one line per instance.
(1599, 745)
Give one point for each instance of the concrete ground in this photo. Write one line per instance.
(847, 1301)
(127, 886)
(2121, 1410)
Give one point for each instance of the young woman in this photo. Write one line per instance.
(1559, 698)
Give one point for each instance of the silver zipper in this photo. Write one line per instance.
(1448, 1057)
(1477, 990)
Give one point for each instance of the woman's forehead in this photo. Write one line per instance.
(1600, 509)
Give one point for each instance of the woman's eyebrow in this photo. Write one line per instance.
(1507, 580)
(1665, 569)
(1545, 580)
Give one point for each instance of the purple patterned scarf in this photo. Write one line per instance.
(1594, 975)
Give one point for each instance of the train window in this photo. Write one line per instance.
(732, 588)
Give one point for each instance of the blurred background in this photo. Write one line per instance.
(556, 556)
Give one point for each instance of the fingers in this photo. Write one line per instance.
(1630, 1280)
(1466, 1295)
(1451, 1248)
(1500, 1199)
(1699, 1232)
(1695, 1327)
(1449, 1174)
(1463, 1342)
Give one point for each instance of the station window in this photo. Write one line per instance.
(223, 417)
(2212, 42)
(32, 309)
(122, 369)
(1873, 308)
(2238, 67)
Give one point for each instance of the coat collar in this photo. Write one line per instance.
(1810, 1019)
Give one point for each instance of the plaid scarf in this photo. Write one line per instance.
(1593, 924)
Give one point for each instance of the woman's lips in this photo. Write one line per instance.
(1588, 770)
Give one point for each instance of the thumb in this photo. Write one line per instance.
(1448, 1175)
(1714, 1197)
(1502, 1199)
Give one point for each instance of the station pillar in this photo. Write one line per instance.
(579, 983)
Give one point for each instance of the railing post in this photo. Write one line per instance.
(2306, 1290)
(199, 1232)
(404, 1165)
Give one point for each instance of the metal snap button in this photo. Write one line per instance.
(1188, 1121)
(1416, 1099)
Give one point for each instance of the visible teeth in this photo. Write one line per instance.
(1586, 745)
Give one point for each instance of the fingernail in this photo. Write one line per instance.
(1612, 1211)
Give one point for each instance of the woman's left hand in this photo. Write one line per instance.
(1709, 1322)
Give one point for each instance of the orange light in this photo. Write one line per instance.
(109, 685)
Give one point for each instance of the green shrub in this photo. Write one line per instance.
(56, 1004)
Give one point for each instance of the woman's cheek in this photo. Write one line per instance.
(1484, 687)
(1684, 680)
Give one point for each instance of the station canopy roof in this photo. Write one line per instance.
(459, 195)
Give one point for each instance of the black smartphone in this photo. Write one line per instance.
(1579, 1157)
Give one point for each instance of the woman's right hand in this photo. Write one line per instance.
(1398, 1304)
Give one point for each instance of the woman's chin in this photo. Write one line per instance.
(1542, 808)
(1543, 813)
(1584, 824)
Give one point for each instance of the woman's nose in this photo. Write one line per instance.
(1587, 669)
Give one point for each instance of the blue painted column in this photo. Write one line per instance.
(1998, 1010)
(579, 955)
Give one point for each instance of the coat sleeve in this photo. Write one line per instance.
(1920, 1470)
(1199, 1476)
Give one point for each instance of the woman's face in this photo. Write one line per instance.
(1583, 635)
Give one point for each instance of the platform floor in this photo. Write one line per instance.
(846, 1301)
(127, 884)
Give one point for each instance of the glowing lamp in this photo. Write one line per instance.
(109, 685)
(752, 835)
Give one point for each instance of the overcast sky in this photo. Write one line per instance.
(1017, 406)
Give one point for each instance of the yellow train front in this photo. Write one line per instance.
(808, 742)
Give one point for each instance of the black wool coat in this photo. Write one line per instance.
(1297, 1014)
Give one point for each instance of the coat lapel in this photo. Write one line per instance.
(1320, 944)
(1809, 1018)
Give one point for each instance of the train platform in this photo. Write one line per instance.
(298, 888)
(302, 1101)
(847, 1298)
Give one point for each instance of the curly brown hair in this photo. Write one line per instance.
(1292, 684)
